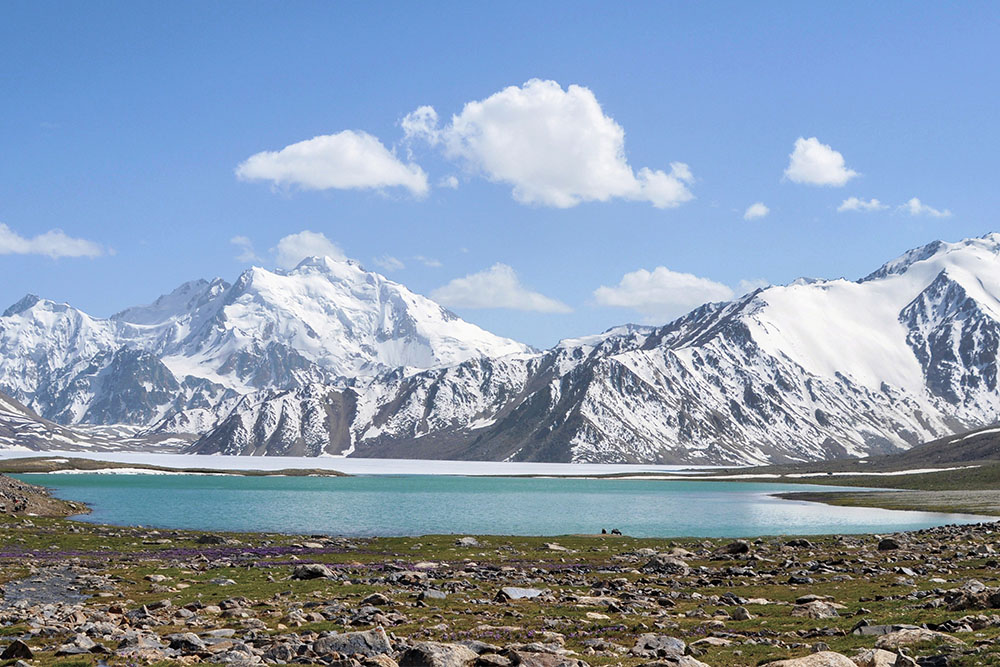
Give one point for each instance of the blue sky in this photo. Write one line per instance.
(124, 124)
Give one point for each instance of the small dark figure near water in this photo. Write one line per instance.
(604, 531)
(615, 531)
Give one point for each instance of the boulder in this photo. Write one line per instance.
(889, 544)
(875, 657)
(816, 609)
(651, 645)
(821, 659)
(536, 659)
(367, 643)
(435, 654)
(909, 637)
(17, 650)
(663, 564)
(517, 593)
(312, 571)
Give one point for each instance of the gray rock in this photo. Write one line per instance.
(888, 544)
(544, 660)
(17, 650)
(516, 593)
(186, 642)
(367, 643)
(312, 571)
(666, 565)
(435, 654)
(467, 542)
(651, 645)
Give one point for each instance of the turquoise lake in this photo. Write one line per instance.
(430, 504)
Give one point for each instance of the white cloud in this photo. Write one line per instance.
(450, 182)
(247, 252)
(429, 262)
(496, 287)
(341, 161)
(917, 207)
(661, 294)
(53, 243)
(855, 204)
(756, 210)
(814, 163)
(555, 147)
(389, 263)
(293, 248)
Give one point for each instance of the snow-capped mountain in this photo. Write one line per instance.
(814, 369)
(192, 354)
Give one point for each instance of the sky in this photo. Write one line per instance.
(546, 170)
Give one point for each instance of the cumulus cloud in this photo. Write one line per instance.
(293, 248)
(343, 161)
(756, 210)
(815, 163)
(53, 243)
(855, 204)
(496, 287)
(555, 147)
(389, 263)
(661, 294)
(917, 207)
(245, 246)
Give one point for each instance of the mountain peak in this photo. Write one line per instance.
(26, 302)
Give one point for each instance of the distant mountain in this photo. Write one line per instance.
(812, 370)
(200, 348)
(22, 429)
(328, 359)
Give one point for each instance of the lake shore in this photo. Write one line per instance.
(969, 488)
(137, 595)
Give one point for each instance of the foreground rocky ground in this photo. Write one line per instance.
(81, 594)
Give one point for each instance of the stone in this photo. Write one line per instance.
(17, 650)
(651, 645)
(662, 564)
(517, 593)
(436, 654)
(821, 659)
(816, 609)
(909, 637)
(367, 643)
(735, 548)
(875, 657)
(536, 659)
(888, 544)
(312, 571)
(186, 642)
(432, 594)
(467, 542)
(676, 661)
(741, 614)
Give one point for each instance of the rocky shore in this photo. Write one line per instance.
(76, 593)
(20, 498)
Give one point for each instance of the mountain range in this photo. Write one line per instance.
(330, 359)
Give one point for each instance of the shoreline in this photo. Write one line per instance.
(141, 595)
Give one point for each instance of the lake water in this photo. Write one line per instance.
(427, 504)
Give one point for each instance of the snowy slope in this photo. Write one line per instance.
(184, 360)
(816, 369)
